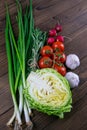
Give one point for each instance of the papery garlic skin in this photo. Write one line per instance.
(72, 61)
(73, 79)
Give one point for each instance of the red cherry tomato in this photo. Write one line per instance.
(59, 56)
(60, 68)
(58, 46)
(45, 62)
(46, 51)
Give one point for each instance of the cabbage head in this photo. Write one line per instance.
(49, 92)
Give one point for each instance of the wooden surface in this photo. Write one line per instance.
(73, 17)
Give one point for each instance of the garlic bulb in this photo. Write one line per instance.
(72, 61)
(73, 79)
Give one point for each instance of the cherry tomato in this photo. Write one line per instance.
(60, 68)
(45, 62)
(59, 56)
(58, 46)
(46, 51)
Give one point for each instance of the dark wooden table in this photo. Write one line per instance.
(73, 17)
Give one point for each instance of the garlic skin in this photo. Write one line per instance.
(72, 61)
(73, 79)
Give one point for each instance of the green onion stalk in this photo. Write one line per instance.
(18, 53)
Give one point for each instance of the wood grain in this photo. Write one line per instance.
(72, 14)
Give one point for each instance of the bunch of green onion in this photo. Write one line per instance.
(20, 55)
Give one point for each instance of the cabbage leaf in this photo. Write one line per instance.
(49, 92)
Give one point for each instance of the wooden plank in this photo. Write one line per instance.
(81, 70)
(70, 15)
(77, 45)
(71, 20)
(3, 64)
(5, 96)
(4, 120)
(56, 7)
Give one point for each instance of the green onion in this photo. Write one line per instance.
(20, 51)
(16, 62)
(11, 69)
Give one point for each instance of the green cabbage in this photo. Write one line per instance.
(49, 92)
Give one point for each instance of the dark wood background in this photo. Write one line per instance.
(73, 17)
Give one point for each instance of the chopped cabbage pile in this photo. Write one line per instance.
(49, 92)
